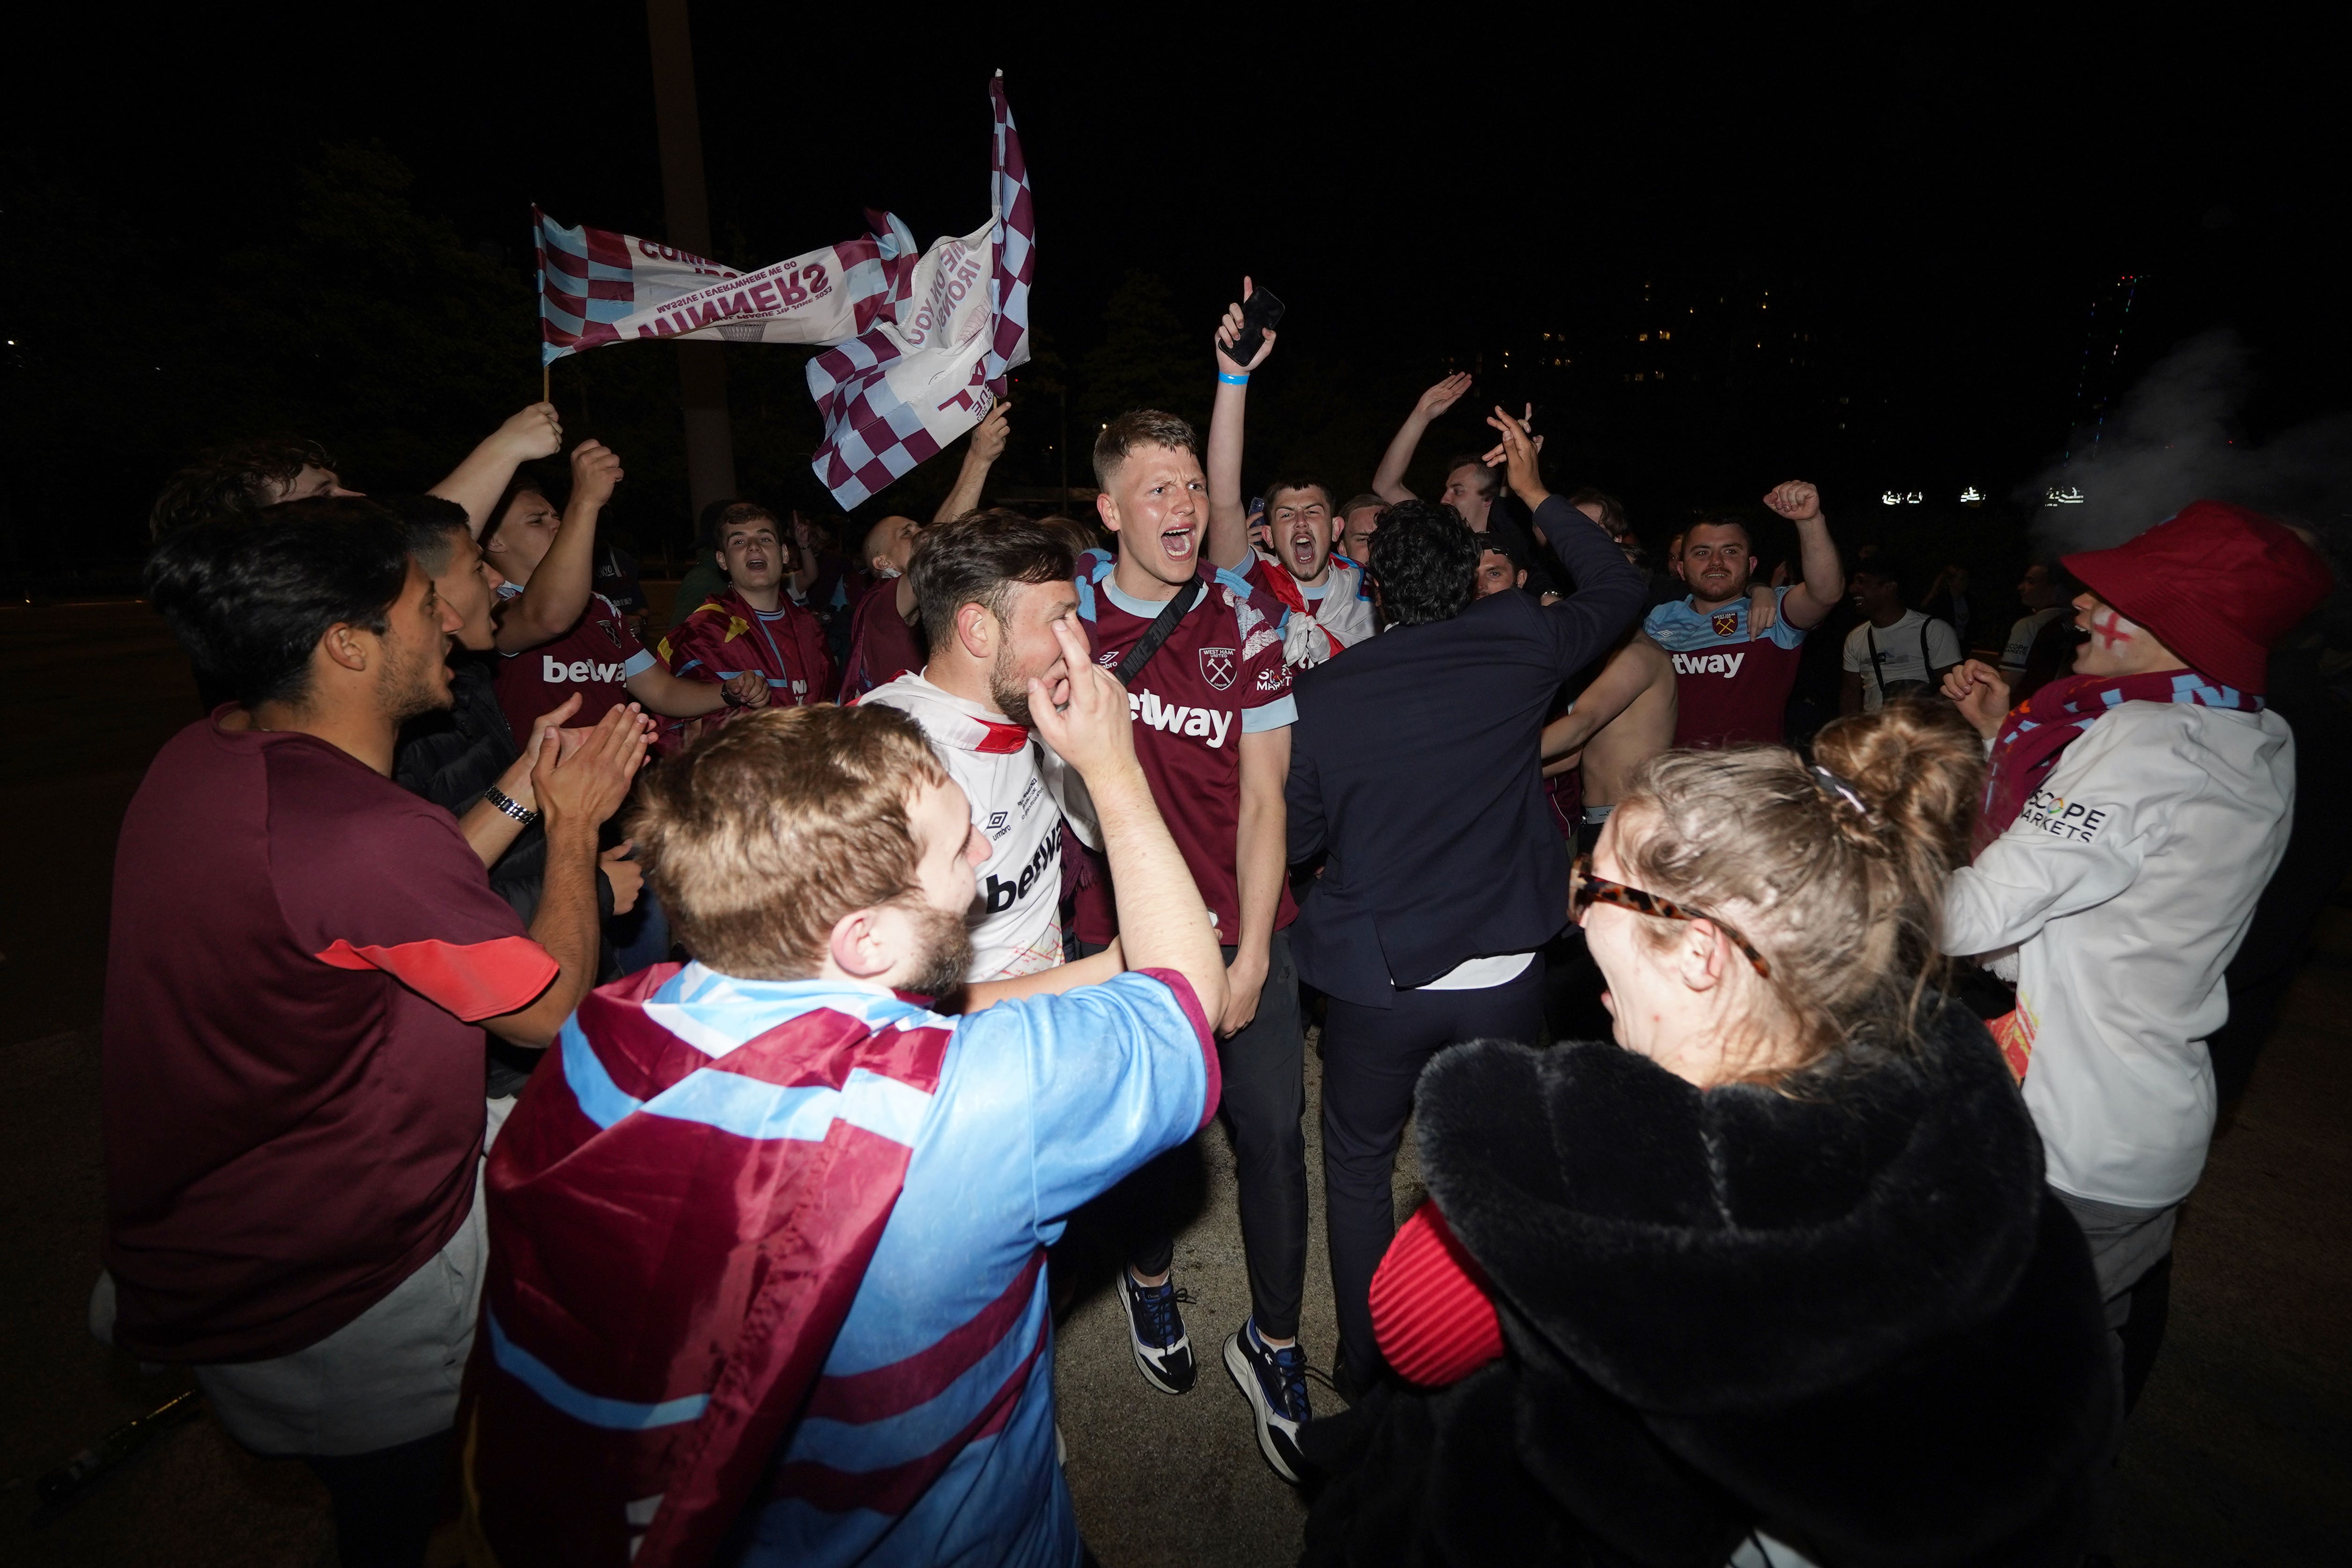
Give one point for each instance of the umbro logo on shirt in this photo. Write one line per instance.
(580, 670)
(1724, 664)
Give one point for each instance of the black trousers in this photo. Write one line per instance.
(387, 1502)
(1372, 1057)
(1265, 1102)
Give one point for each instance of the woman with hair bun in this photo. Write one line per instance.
(1774, 1279)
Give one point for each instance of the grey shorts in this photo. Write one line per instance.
(387, 1377)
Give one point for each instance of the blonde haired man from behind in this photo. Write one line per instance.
(767, 1276)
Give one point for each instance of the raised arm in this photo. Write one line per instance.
(1229, 542)
(1388, 480)
(987, 445)
(1628, 674)
(553, 602)
(476, 483)
(1810, 602)
(1163, 924)
(1608, 589)
(683, 697)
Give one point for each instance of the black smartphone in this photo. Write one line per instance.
(1261, 313)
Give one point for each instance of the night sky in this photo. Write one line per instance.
(1909, 214)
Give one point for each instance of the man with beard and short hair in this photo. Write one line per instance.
(886, 632)
(753, 624)
(768, 1277)
(302, 960)
(1734, 676)
(1215, 699)
(991, 586)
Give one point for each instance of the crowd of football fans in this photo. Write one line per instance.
(503, 967)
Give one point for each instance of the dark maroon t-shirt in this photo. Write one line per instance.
(882, 646)
(293, 1090)
(1219, 675)
(596, 659)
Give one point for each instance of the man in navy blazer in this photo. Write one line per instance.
(1416, 772)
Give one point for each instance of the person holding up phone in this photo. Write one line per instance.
(1325, 604)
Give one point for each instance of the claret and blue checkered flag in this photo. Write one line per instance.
(596, 286)
(941, 351)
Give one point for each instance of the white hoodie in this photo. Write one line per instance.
(2125, 886)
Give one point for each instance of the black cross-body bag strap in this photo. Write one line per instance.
(1155, 634)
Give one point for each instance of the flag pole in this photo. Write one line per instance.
(543, 396)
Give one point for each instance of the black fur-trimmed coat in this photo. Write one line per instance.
(1849, 1317)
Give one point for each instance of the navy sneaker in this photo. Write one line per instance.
(1156, 1328)
(1275, 1381)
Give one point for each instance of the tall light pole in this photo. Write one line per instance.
(702, 367)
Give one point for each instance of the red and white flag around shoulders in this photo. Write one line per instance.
(918, 348)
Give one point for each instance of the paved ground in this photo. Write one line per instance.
(2241, 1452)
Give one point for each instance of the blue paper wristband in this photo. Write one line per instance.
(1232, 380)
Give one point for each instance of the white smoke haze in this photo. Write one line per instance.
(2169, 442)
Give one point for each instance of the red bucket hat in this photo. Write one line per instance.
(2217, 584)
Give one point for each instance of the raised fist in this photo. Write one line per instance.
(534, 433)
(1795, 499)
(595, 469)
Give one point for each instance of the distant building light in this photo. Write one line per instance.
(1643, 338)
(1970, 495)
(1664, 336)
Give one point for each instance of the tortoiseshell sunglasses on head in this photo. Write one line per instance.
(1585, 890)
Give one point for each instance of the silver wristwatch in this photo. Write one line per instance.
(511, 806)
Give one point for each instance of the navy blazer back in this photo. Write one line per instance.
(1415, 769)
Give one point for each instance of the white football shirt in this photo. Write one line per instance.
(1015, 918)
